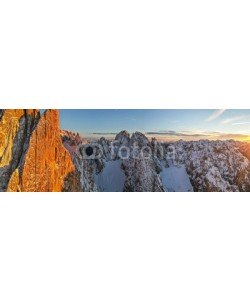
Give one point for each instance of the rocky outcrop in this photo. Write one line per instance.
(32, 156)
(71, 140)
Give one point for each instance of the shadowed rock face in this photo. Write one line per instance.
(16, 126)
(32, 156)
(1, 113)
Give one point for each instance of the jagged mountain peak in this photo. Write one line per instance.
(123, 137)
(139, 138)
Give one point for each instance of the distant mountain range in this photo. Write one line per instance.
(36, 155)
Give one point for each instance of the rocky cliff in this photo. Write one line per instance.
(32, 156)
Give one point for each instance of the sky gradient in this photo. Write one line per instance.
(164, 124)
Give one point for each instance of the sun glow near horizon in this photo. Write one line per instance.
(163, 124)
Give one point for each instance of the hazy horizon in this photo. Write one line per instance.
(164, 124)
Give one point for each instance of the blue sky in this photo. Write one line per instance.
(160, 122)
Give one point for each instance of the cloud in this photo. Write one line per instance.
(177, 133)
(172, 135)
(215, 115)
(230, 120)
(104, 133)
(241, 123)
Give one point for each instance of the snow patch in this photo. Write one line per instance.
(112, 178)
(176, 179)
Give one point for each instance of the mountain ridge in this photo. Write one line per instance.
(204, 165)
(36, 155)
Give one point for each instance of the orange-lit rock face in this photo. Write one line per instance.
(32, 156)
(47, 162)
(245, 150)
